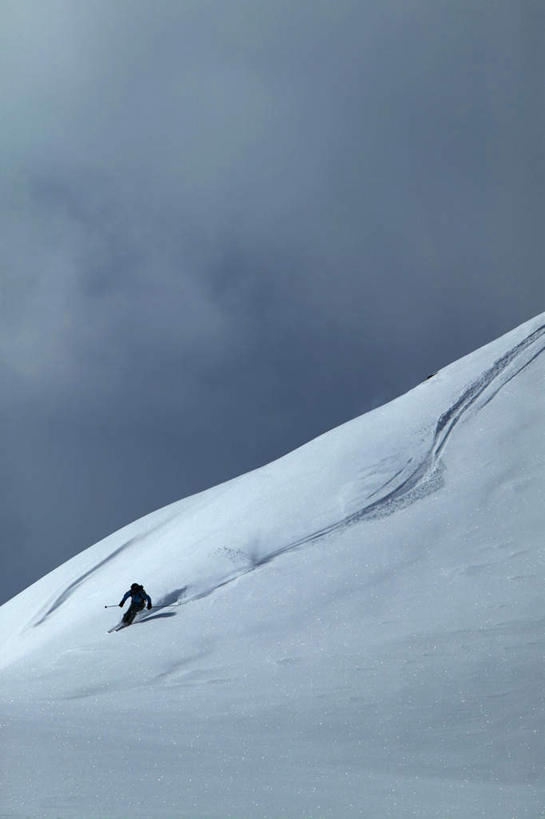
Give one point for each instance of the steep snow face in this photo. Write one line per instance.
(354, 629)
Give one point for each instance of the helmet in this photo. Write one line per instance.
(135, 586)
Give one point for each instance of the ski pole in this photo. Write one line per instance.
(112, 607)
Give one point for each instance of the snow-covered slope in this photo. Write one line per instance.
(360, 630)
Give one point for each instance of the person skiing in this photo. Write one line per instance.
(139, 597)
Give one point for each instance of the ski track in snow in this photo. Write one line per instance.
(423, 478)
(167, 600)
(426, 476)
(78, 581)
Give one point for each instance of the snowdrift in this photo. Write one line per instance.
(354, 629)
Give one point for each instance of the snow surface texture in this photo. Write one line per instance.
(360, 629)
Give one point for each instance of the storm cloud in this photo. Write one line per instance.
(229, 226)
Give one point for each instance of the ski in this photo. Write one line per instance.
(143, 616)
(118, 627)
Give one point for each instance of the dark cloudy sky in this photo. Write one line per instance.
(230, 225)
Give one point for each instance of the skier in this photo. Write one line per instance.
(138, 596)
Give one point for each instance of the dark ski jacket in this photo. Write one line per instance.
(139, 598)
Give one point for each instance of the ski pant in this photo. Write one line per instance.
(132, 611)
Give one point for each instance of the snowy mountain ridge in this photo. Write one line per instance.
(381, 581)
(405, 473)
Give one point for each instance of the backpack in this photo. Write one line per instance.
(139, 595)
